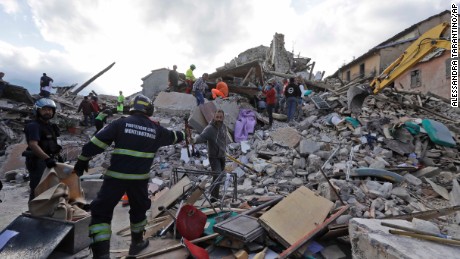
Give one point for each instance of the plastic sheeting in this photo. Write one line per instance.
(245, 124)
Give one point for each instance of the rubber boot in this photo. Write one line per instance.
(101, 250)
(137, 243)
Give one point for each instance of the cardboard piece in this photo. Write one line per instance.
(297, 214)
(170, 197)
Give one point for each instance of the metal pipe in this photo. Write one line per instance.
(426, 237)
(260, 207)
(332, 187)
(331, 156)
(418, 231)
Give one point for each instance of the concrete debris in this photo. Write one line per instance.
(369, 239)
(333, 252)
(177, 104)
(454, 198)
(426, 226)
(288, 137)
(377, 163)
(438, 189)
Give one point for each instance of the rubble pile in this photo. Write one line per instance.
(296, 186)
(382, 163)
(377, 163)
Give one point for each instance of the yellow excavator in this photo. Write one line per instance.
(421, 47)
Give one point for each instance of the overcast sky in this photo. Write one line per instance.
(73, 40)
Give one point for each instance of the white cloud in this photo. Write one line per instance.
(10, 6)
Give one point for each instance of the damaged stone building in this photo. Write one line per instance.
(249, 69)
(381, 183)
(432, 74)
(155, 82)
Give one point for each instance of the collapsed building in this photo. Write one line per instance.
(334, 184)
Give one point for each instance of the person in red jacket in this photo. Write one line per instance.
(96, 109)
(87, 109)
(270, 95)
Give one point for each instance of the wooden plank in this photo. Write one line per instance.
(311, 70)
(158, 244)
(335, 231)
(247, 75)
(170, 197)
(299, 213)
(197, 193)
(312, 233)
(429, 214)
(154, 254)
(152, 230)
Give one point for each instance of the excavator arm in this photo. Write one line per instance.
(421, 47)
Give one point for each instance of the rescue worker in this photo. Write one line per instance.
(270, 95)
(95, 107)
(45, 85)
(190, 79)
(101, 118)
(173, 79)
(292, 94)
(120, 101)
(136, 138)
(87, 109)
(199, 89)
(41, 136)
(220, 90)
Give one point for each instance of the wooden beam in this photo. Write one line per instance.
(311, 70)
(247, 75)
(429, 214)
(85, 84)
(438, 97)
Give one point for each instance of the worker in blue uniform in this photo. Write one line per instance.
(136, 139)
(42, 144)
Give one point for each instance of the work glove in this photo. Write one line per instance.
(50, 162)
(81, 166)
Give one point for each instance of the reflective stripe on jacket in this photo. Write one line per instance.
(136, 139)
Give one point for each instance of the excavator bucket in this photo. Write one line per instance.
(356, 95)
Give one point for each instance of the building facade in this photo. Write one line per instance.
(373, 62)
(155, 82)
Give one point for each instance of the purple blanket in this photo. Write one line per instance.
(245, 124)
